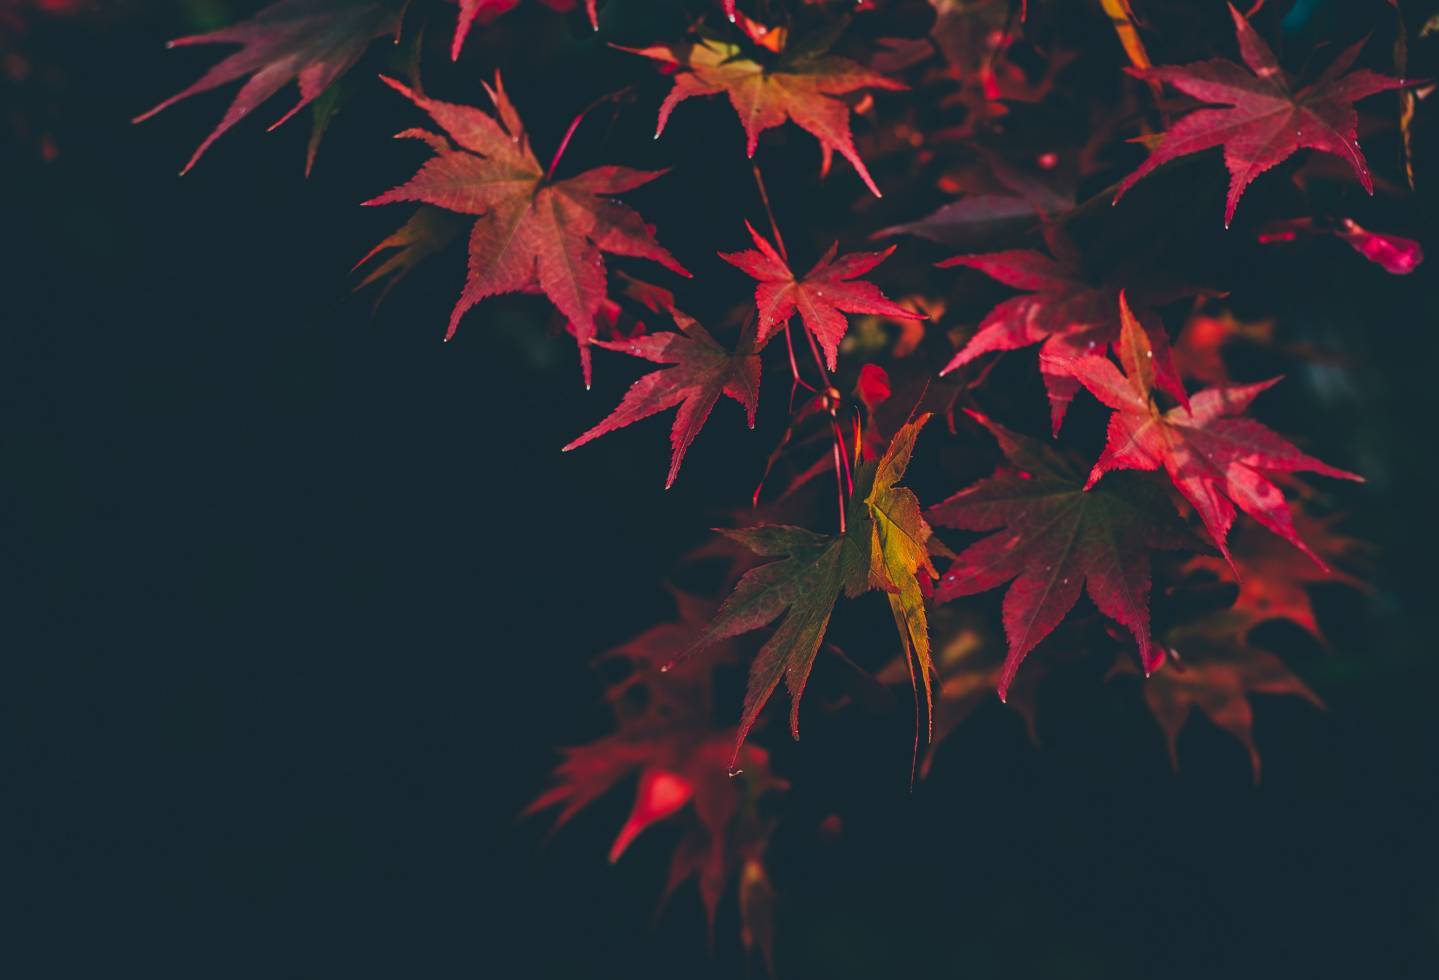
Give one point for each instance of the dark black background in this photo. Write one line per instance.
(301, 600)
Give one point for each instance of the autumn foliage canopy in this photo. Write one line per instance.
(986, 352)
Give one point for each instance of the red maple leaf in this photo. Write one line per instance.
(662, 709)
(310, 42)
(1272, 576)
(802, 90)
(532, 233)
(1057, 540)
(486, 10)
(1268, 119)
(702, 371)
(1062, 310)
(1212, 666)
(1215, 459)
(822, 296)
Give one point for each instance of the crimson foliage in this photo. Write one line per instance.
(1020, 119)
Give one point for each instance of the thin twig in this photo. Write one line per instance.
(575, 124)
(799, 381)
(769, 213)
(843, 474)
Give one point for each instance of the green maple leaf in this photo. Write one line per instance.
(899, 551)
(883, 547)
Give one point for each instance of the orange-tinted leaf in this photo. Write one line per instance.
(803, 91)
(1212, 667)
(1272, 577)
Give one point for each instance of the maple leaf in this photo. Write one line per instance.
(702, 371)
(1272, 576)
(1062, 310)
(1268, 119)
(310, 42)
(531, 232)
(822, 296)
(662, 708)
(800, 89)
(803, 586)
(1216, 460)
(472, 10)
(899, 554)
(882, 547)
(1211, 666)
(1055, 539)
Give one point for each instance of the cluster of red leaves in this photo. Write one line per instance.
(1051, 525)
(662, 706)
